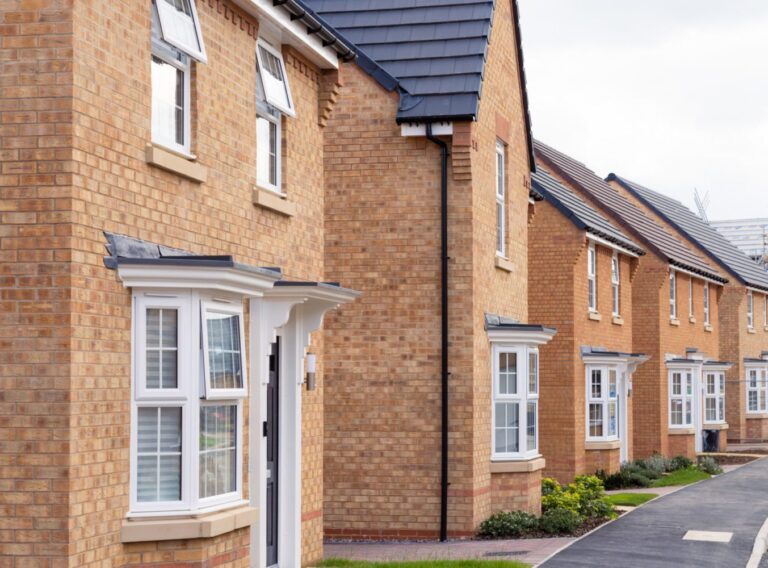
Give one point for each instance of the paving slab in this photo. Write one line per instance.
(652, 535)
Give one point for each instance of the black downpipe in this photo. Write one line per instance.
(443, 330)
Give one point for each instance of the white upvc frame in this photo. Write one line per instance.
(226, 307)
(592, 277)
(180, 63)
(750, 310)
(616, 284)
(716, 380)
(501, 199)
(686, 396)
(167, 14)
(273, 117)
(765, 310)
(522, 397)
(757, 384)
(672, 294)
(706, 303)
(691, 312)
(605, 399)
(189, 398)
(270, 83)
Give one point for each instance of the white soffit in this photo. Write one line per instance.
(420, 129)
(233, 280)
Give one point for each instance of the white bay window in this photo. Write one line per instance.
(602, 403)
(515, 401)
(714, 398)
(681, 398)
(757, 389)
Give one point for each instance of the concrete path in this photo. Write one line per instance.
(531, 551)
(652, 535)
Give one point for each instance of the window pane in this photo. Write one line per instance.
(612, 393)
(596, 420)
(710, 384)
(266, 152)
(753, 379)
(531, 431)
(710, 405)
(224, 355)
(612, 423)
(721, 409)
(507, 429)
(273, 80)
(689, 384)
(500, 227)
(162, 348)
(167, 102)
(676, 412)
(752, 400)
(147, 429)
(677, 384)
(178, 24)
(533, 373)
(218, 450)
(507, 373)
(688, 411)
(158, 464)
(597, 383)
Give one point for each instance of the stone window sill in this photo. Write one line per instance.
(273, 201)
(716, 426)
(751, 330)
(602, 445)
(756, 416)
(191, 527)
(765, 328)
(708, 328)
(617, 320)
(173, 162)
(518, 466)
(594, 316)
(674, 321)
(691, 319)
(682, 431)
(504, 264)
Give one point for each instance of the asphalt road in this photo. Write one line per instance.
(652, 536)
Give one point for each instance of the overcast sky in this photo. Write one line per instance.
(672, 94)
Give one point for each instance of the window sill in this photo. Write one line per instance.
(691, 319)
(190, 527)
(504, 264)
(674, 431)
(594, 316)
(715, 426)
(273, 201)
(708, 328)
(765, 328)
(617, 320)
(518, 466)
(756, 416)
(184, 166)
(592, 445)
(751, 330)
(674, 321)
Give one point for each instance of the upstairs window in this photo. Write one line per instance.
(706, 303)
(615, 283)
(750, 310)
(690, 297)
(180, 27)
(714, 397)
(757, 390)
(592, 278)
(515, 402)
(765, 311)
(277, 92)
(681, 398)
(268, 142)
(672, 294)
(501, 198)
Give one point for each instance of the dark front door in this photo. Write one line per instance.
(271, 433)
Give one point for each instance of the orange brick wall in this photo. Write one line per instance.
(75, 127)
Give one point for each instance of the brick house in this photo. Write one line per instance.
(743, 312)
(135, 430)
(672, 410)
(581, 273)
(431, 416)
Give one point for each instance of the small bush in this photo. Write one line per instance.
(707, 464)
(680, 462)
(505, 524)
(553, 496)
(629, 475)
(560, 521)
(549, 486)
(592, 500)
(656, 463)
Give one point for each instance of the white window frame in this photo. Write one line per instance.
(757, 383)
(691, 313)
(501, 199)
(605, 400)
(687, 398)
(522, 398)
(189, 396)
(750, 310)
(288, 108)
(616, 284)
(717, 394)
(233, 309)
(706, 303)
(592, 277)
(265, 111)
(673, 294)
(166, 14)
(181, 63)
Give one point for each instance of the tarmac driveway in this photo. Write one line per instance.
(652, 536)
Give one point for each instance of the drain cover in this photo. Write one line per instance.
(507, 553)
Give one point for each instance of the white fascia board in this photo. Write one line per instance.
(520, 337)
(275, 23)
(699, 276)
(229, 280)
(599, 359)
(609, 244)
(757, 290)
(420, 129)
(719, 366)
(335, 295)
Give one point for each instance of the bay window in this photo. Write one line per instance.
(501, 199)
(515, 401)
(615, 283)
(714, 397)
(602, 403)
(592, 278)
(681, 398)
(757, 389)
(189, 382)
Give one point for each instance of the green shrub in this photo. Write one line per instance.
(505, 524)
(707, 464)
(553, 496)
(656, 463)
(549, 486)
(629, 475)
(680, 462)
(560, 521)
(593, 503)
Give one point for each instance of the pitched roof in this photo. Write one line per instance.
(643, 227)
(300, 11)
(700, 233)
(432, 51)
(579, 212)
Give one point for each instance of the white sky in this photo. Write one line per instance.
(672, 94)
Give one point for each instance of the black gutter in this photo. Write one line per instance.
(443, 329)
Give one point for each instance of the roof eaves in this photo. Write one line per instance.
(315, 25)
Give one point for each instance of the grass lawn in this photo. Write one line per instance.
(681, 477)
(630, 499)
(339, 563)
